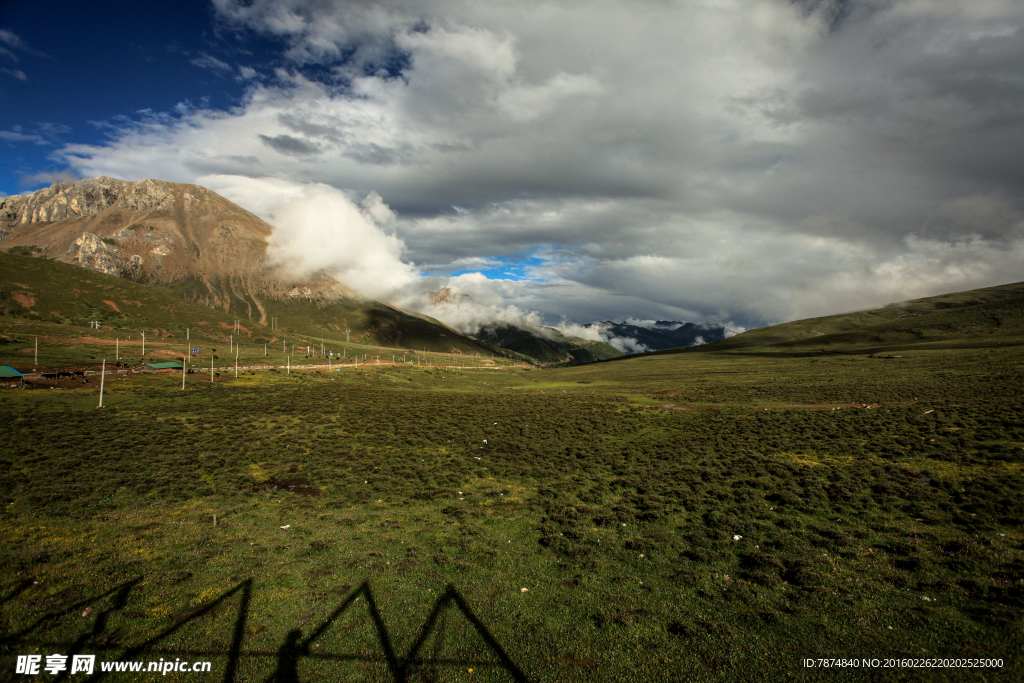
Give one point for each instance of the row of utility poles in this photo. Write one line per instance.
(236, 348)
(232, 346)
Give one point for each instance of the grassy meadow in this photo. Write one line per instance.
(848, 487)
(696, 517)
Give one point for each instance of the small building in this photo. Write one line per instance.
(9, 374)
(161, 368)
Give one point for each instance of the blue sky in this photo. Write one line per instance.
(518, 267)
(79, 69)
(733, 161)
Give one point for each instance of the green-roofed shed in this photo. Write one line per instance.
(162, 368)
(7, 372)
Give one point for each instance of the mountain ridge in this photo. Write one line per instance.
(661, 334)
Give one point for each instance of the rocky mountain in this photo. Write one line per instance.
(158, 232)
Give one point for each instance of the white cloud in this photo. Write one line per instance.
(600, 332)
(11, 39)
(319, 228)
(735, 162)
(483, 302)
(18, 136)
(211, 63)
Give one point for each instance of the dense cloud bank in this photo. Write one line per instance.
(732, 162)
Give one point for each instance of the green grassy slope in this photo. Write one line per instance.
(988, 317)
(37, 290)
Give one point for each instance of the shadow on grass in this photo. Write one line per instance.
(416, 663)
(21, 587)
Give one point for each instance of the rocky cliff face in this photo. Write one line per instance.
(92, 252)
(159, 232)
(162, 231)
(87, 198)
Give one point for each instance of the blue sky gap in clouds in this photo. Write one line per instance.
(744, 161)
(517, 268)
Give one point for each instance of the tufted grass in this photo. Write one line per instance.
(879, 504)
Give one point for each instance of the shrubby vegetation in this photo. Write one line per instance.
(711, 516)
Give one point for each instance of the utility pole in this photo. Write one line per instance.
(231, 342)
(264, 349)
(103, 374)
(183, 373)
(236, 364)
(37, 351)
(143, 342)
(289, 365)
(211, 368)
(117, 347)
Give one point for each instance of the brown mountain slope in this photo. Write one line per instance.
(169, 230)
(158, 232)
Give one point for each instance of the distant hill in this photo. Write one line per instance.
(549, 346)
(993, 316)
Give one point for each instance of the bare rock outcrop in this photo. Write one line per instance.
(92, 252)
(447, 295)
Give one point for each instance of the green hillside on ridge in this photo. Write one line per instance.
(992, 316)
